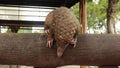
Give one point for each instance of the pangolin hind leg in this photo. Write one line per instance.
(74, 41)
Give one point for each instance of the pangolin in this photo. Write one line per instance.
(62, 26)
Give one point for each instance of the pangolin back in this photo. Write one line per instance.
(65, 25)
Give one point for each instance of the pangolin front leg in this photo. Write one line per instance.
(49, 38)
(49, 42)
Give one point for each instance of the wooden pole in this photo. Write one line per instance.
(14, 29)
(83, 15)
(108, 66)
(82, 66)
(83, 18)
(29, 49)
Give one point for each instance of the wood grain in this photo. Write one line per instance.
(29, 49)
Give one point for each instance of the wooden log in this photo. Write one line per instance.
(29, 49)
(108, 67)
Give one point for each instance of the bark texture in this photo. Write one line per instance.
(111, 10)
(29, 49)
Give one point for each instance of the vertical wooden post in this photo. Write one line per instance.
(83, 15)
(14, 66)
(14, 29)
(82, 66)
(83, 18)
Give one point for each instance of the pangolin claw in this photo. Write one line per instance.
(49, 43)
(74, 41)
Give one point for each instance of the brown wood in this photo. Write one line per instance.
(14, 29)
(29, 49)
(83, 18)
(21, 23)
(111, 10)
(82, 66)
(14, 66)
(83, 15)
(49, 3)
(108, 67)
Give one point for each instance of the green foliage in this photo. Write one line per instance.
(20, 31)
(118, 9)
(89, 0)
(75, 9)
(96, 14)
(118, 32)
(41, 31)
(9, 30)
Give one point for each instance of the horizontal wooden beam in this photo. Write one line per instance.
(29, 49)
(21, 23)
(49, 3)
